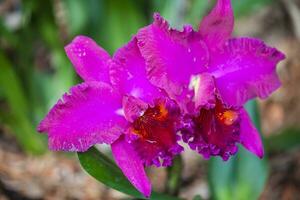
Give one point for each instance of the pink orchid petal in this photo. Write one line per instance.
(249, 135)
(172, 57)
(128, 73)
(84, 117)
(205, 91)
(245, 69)
(217, 26)
(132, 167)
(90, 60)
(133, 107)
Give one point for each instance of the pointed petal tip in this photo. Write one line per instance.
(147, 192)
(88, 58)
(281, 56)
(258, 151)
(131, 166)
(40, 128)
(261, 153)
(217, 26)
(156, 15)
(160, 21)
(250, 137)
(76, 39)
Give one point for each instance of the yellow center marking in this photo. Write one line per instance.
(228, 117)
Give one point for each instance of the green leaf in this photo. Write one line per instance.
(285, 140)
(197, 197)
(221, 178)
(242, 177)
(251, 176)
(245, 7)
(105, 170)
(122, 22)
(174, 176)
(77, 14)
(18, 119)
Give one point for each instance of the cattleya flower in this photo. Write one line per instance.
(116, 105)
(211, 76)
(162, 83)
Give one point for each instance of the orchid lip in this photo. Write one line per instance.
(154, 133)
(213, 131)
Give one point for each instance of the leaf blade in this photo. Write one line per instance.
(18, 119)
(105, 170)
(244, 175)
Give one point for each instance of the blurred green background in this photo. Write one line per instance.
(35, 72)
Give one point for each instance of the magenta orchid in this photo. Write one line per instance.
(116, 105)
(211, 76)
(163, 86)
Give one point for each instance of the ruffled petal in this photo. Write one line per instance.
(132, 167)
(244, 69)
(205, 91)
(217, 26)
(249, 135)
(213, 132)
(84, 117)
(90, 60)
(133, 107)
(128, 73)
(172, 57)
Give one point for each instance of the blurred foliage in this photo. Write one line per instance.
(34, 72)
(244, 7)
(18, 117)
(284, 140)
(242, 177)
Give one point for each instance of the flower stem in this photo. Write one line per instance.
(174, 176)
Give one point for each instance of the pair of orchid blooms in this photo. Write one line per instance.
(165, 86)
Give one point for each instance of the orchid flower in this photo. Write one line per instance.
(116, 105)
(211, 76)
